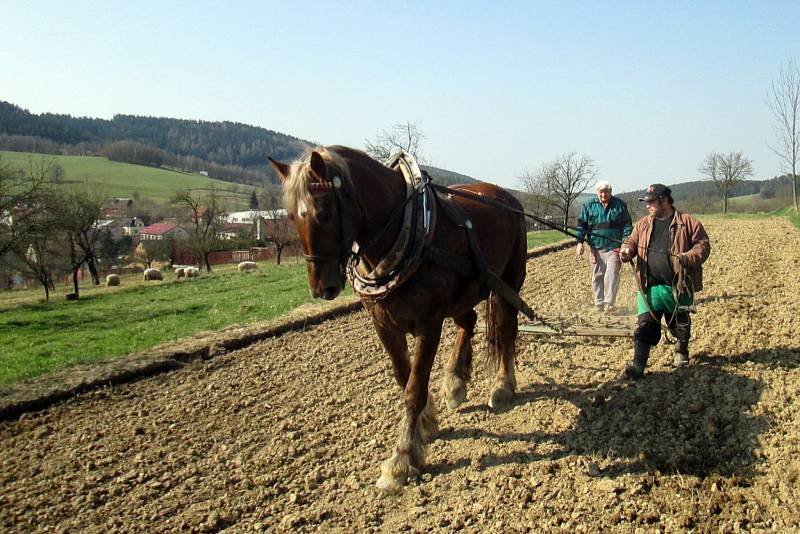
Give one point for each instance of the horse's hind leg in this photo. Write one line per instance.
(419, 424)
(501, 333)
(458, 371)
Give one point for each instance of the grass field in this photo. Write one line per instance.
(123, 179)
(108, 322)
(544, 237)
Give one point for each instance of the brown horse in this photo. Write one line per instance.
(337, 197)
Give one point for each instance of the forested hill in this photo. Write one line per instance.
(445, 177)
(227, 150)
(223, 143)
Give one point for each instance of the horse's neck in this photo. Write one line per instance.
(380, 191)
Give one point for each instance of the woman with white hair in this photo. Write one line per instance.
(604, 223)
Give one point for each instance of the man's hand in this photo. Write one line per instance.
(625, 254)
(579, 249)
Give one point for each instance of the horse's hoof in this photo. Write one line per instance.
(396, 472)
(500, 396)
(389, 484)
(455, 391)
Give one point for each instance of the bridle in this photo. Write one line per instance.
(345, 254)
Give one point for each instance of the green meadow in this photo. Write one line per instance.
(123, 179)
(108, 322)
(544, 237)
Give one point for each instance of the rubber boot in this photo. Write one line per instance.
(641, 351)
(681, 356)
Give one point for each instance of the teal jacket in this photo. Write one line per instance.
(604, 228)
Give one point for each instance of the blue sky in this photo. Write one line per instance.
(647, 89)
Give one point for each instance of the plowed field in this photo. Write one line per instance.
(289, 433)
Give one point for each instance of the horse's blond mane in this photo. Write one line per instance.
(296, 187)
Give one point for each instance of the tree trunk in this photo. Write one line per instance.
(75, 280)
(278, 255)
(794, 190)
(724, 204)
(46, 282)
(93, 270)
(205, 260)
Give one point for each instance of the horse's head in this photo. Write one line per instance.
(319, 201)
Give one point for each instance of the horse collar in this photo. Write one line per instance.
(405, 256)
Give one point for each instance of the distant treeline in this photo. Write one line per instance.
(771, 188)
(226, 150)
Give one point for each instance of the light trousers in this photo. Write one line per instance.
(605, 276)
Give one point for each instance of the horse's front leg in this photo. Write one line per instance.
(419, 426)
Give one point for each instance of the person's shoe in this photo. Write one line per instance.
(681, 356)
(609, 309)
(633, 372)
(598, 308)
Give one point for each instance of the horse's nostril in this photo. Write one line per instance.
(330, 292)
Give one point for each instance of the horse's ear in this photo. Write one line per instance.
(318, 168)
(281, 168)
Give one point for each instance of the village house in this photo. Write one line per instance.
(236, 230)
(112, 226)
(132, 226)
(162, 230)
(260, 220)
(117, 207)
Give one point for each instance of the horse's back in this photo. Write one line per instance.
(500, 231)
(492, 222)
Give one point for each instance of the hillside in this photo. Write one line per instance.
(228, 150)
(445, 177)
(224, 143)
(126, 180)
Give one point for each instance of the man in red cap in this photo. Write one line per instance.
(671, 247)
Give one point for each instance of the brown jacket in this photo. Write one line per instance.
(690, 246)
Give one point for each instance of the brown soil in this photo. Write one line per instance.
(289, 432)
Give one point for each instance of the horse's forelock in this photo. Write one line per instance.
(296, 190)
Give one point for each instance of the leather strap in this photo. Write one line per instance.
(465, 267)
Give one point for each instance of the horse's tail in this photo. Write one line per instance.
(501, 317)
(501, 331)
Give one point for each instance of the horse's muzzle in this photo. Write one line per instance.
(330, 292)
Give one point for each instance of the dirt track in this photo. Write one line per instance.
(289, 433)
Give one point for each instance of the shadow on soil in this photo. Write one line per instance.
(696, 420)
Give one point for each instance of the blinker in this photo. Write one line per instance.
(337, 182)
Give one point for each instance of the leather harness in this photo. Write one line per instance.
(413, 246)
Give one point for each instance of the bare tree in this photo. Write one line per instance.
(23, 195)
(278, 229)
(205, 219)
(147, 251)
(784, 102)
(725, 171)
(79, 212)
(561, 181)
(535, 198)
(40, 253)
(407, 136)
(30, 236)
